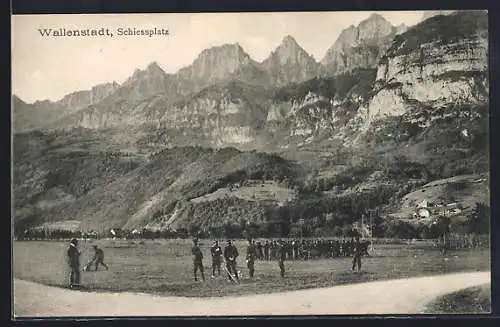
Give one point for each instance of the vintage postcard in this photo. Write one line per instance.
(247, 164)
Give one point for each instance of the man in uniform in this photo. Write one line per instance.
(197, 260)
(230, 255)
(281, 257)
(251, 255)
(98, 259)
(295, 247)
(357, 252)
(260, 254)
(74, 263)
(266, 250)
(216, 252)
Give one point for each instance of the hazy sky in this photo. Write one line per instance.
(51, 67)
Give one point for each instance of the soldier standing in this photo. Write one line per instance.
(281, 254)
(197, 260)
(266, 250)
(295, 245)
(216, 252)
(74, 263)
(230, 255)
(357, 251)
(260, 254)
(272, 255)
(251, 255)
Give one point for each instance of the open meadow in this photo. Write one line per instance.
(164, 267)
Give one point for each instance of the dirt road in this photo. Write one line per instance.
(402, 296)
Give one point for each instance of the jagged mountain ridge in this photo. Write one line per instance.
(41, 113)
(153, 97)
(288, 63)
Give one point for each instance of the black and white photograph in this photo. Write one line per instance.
(250, 164)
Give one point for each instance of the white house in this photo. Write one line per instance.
(423, 213)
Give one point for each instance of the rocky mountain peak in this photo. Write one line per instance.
(289, 62)
(154, 68)
(231, 51)
(152, 72)
(290, 50)
(289, 41)
(216, 64)
(374, 28)
(359, 46)
(378, 18)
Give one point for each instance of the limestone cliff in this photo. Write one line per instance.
(321, 107)
(221, 115)
(442, 61)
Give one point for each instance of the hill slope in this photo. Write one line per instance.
(150, 190)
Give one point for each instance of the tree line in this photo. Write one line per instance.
(282, 225)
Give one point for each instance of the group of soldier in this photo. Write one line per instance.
(279, 250)
(230, 255)
(308, 249)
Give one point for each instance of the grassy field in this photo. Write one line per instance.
(471, 300)
(165, 267)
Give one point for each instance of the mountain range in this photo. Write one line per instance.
(288, 63)
(164, 148)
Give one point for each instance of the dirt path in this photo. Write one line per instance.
(402, 296)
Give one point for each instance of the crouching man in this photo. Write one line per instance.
(98, 259)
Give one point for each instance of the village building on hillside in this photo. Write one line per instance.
(425, 209)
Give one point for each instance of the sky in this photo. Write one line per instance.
(51, 67)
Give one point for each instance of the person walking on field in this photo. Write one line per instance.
(197, 261)
(74, 263)
(216, 252)
(251, 255)
(357, 251)
(230, 255)
(98, 259)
